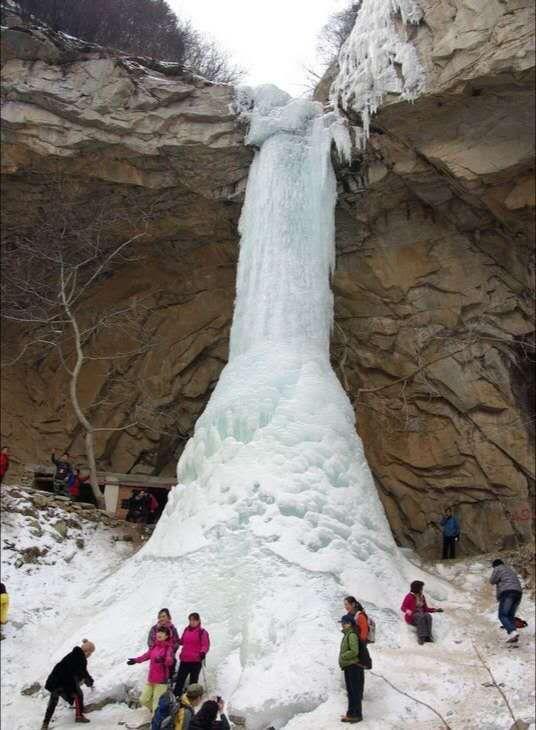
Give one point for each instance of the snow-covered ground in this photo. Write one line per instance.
(51, 599)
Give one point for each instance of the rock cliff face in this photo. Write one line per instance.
(434, 290)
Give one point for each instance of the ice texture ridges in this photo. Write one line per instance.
(370, 56)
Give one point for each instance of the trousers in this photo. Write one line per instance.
(354, 678)
(186, 668)
(449, 547)
(77, 697)
(423, 622)
(508, 604)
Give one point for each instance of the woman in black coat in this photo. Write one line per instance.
(206, 717)
(65, 679)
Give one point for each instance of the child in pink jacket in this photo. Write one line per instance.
(195, 643)
(160, 657)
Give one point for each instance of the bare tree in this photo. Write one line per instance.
(49, 266)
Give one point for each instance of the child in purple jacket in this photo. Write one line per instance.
(160, 658)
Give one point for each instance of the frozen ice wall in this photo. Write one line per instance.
(377, 59)
(275, 516)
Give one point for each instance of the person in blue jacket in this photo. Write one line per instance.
(451, 534)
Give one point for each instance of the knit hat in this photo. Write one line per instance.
(194, 691)
(348, 619)
(496, 563)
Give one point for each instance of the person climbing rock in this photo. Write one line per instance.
(207, 717)
(451, 534)
(195, 643)
(4, 604)
(355, 609)
(350, 661)
(417, 612)
(63, 470)
(160, 657)
(4, 462)
(65, 679)
(509, 593)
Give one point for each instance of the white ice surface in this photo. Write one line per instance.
(377, 59)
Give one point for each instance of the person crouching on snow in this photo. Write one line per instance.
(195, 643)
(417, 612)
(64, 681)
(160, 658)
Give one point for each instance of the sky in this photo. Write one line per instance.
(274, 40)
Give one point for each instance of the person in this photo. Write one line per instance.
(64, 681)
(188, 702)
(4, 604)
(417, 612)
(160, 658)
(351, 664)
(63, 470)
(4, 462)
(509, 593)
(195, 643)
(164, 619)
(137, 507)
(355, 609)
(451, 534)
(152, 508)
(74, 482)
(206, 718)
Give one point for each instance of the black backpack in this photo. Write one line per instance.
(364, 656)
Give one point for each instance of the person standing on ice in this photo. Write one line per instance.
(350, 661)
(509, 593)
(451, 534)
(160, 657)
(417, 612)
(164, 620)
(195, 643)
(65, 679)
(355, 609)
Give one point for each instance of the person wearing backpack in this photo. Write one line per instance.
(175, 714)
(160, 658)
(366, 626)
(195, 643)
(353, 659)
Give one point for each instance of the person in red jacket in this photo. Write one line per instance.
(417, 612)
(4, 462)
(74, 482)
(355, 609)
(195, 643)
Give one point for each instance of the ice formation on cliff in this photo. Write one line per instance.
(377, 60)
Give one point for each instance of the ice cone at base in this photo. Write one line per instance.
(275, 516)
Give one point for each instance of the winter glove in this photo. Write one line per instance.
(439, 610)
(202, 655)
(131, 661)
(159, 660)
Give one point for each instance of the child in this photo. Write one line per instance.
(350, 663)
(160, 657)
(195, 643)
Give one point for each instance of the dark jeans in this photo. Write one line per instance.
(77, 697)
(354, 677)
(449, 547)
(186, 668)
(423, 622)
(508, 604)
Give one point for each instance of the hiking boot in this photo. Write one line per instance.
(81, 718)
(513, 636)
(45, 726)
(420, 641)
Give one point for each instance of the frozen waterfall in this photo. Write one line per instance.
(275, 516)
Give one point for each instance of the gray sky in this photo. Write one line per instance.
(273, 39)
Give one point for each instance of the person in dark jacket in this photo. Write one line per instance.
(451, 534)
(509, 593)
(65, 679)
(63, 470)
(350, 661)
(138, 507)
(206, 717)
